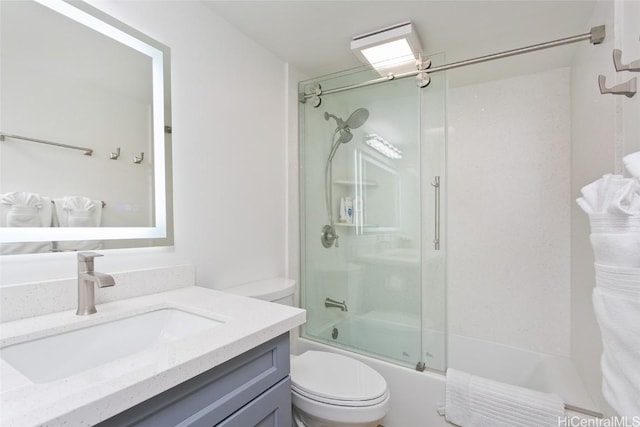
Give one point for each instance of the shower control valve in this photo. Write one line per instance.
(329, 236)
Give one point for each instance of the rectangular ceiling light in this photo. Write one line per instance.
(392, 49)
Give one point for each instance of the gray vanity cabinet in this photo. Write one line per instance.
(252, 389)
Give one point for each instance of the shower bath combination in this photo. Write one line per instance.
(343, 129)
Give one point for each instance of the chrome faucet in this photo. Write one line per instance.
(331, 303)
(87, 277)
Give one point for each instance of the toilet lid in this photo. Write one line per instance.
(333, 378)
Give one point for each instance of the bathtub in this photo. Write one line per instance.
(416, 396)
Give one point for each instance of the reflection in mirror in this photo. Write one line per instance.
(84, 134)
(380, 190)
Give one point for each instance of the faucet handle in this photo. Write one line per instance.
(88, 256)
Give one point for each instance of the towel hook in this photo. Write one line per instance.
(114, 156)
(628, 88)
(138, 159)
(617, 61)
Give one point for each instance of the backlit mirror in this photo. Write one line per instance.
(85, 135)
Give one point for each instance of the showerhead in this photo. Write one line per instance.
(345, 136)
(355, 120)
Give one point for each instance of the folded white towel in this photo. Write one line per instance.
(612, 194)
(617, 309)
(632, 164)
(626, 199)
(623, 281)
(620, 249)
(78, 211)
(23, 209)
(605, 223)
(472, 401)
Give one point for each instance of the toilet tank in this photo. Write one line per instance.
(279, 290)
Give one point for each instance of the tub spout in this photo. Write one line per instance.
(331, 303)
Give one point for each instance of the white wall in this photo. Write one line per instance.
(508, 211)
(229, 145)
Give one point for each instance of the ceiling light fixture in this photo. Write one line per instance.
(392, 49)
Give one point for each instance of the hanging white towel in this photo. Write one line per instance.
(616, 302)
(473, 401)
(78, 211)
(24, 209)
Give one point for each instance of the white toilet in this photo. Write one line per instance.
(327, 389)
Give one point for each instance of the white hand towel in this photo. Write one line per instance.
(617, 308)
(472, 401)
(632, 164)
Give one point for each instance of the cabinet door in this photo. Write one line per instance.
(271, 409)
(213, 396)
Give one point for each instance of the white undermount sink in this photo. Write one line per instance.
(59, 356)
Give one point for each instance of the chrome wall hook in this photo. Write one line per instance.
(114, 156)
(628, 88)
(137, 160)
(617, 62)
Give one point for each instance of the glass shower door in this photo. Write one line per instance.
(362, 170)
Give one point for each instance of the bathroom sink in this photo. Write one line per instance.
(64, 354)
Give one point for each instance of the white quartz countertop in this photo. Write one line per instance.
(96, 394)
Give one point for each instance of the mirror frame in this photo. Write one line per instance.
(161, 233)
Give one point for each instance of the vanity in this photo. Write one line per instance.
(187, 356)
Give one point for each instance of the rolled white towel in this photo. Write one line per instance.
(472, 401)
(632, 164)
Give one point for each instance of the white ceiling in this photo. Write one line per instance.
(314, 36)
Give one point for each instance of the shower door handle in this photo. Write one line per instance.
(436, 219)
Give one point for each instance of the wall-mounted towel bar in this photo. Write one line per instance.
(86, 151)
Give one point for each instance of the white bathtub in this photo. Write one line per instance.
(416, 396)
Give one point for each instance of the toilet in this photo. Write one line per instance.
(327, 389)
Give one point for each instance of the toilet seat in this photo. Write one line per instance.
(337, 380)
(337, 402)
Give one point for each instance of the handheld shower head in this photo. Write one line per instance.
(355, 120)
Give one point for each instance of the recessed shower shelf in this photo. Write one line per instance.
(353, 183)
